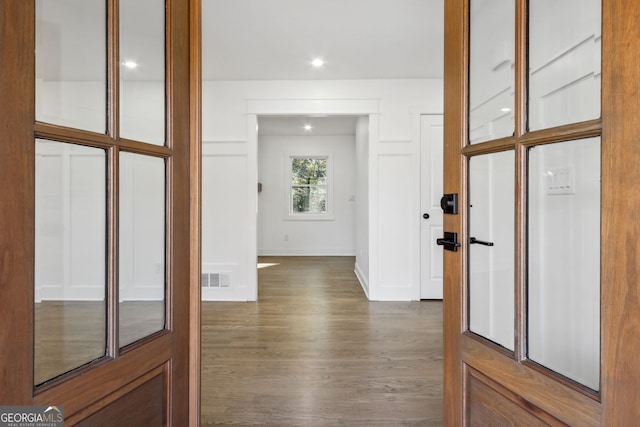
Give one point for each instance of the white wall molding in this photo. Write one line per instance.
(58, 292)
(231, 109)
(306, 252)
(238, 140)
(350, 107)
(395, 141)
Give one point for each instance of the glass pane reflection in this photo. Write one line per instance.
(491, 254)
(565, 42)
(70, 258)
(142, 246)
(564, 259)
(491, 71)
(71, 63)
(142, 70)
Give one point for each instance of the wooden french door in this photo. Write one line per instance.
(97, 228)
(541, 302)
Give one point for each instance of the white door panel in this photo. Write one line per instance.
(431, 139)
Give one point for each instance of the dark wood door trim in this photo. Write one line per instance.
(195, 180)
(620, 301)
(174, 352)
(17, 177)
(455, 106)
(620, 258)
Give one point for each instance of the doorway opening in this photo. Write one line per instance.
(312, 187)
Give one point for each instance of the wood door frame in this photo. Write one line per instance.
(195, 209)
(620, 300)
(17, 174)
(173, 353)
(455, 131)
(620, 259)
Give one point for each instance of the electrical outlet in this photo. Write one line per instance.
(286, 237)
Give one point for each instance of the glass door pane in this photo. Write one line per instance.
(491, 69)
(142, 246)
(70, 258)
(564, 62)
(142, 70)
(564, 259)
(71, 65)
(491, 247)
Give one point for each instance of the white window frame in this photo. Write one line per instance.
(290, 215)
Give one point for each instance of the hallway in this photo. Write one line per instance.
(314, 351)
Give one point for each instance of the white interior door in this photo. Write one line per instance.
(431, 141)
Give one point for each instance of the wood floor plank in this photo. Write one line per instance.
(313, 351)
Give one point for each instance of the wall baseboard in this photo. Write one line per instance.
(363, 279)
(306, 252)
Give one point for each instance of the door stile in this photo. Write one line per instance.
(195, 179)
(620, 342)
(455, 134)
(17, 174)
(179, 185)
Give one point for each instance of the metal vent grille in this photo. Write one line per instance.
(216, 280)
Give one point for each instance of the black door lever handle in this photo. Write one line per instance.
(473, 240)
(450, 241)
(445, 242)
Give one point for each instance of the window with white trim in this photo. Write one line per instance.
(309, 187)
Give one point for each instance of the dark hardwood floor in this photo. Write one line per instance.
(313, 351)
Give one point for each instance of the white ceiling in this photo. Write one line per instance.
(253, 39)
(358, 39)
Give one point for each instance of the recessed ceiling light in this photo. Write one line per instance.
(130, 64)
(308, 127)
(318, 62)
(505, 109)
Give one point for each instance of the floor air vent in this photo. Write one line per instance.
(215, 280)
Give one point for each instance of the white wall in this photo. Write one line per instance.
(142, 228)
(278, 234)
(70, 238)
(224, 102)
(70, 223)
(362, 202)
(393, 186)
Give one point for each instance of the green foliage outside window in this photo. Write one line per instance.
(309, 185)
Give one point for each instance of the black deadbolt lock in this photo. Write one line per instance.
(449, 203)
